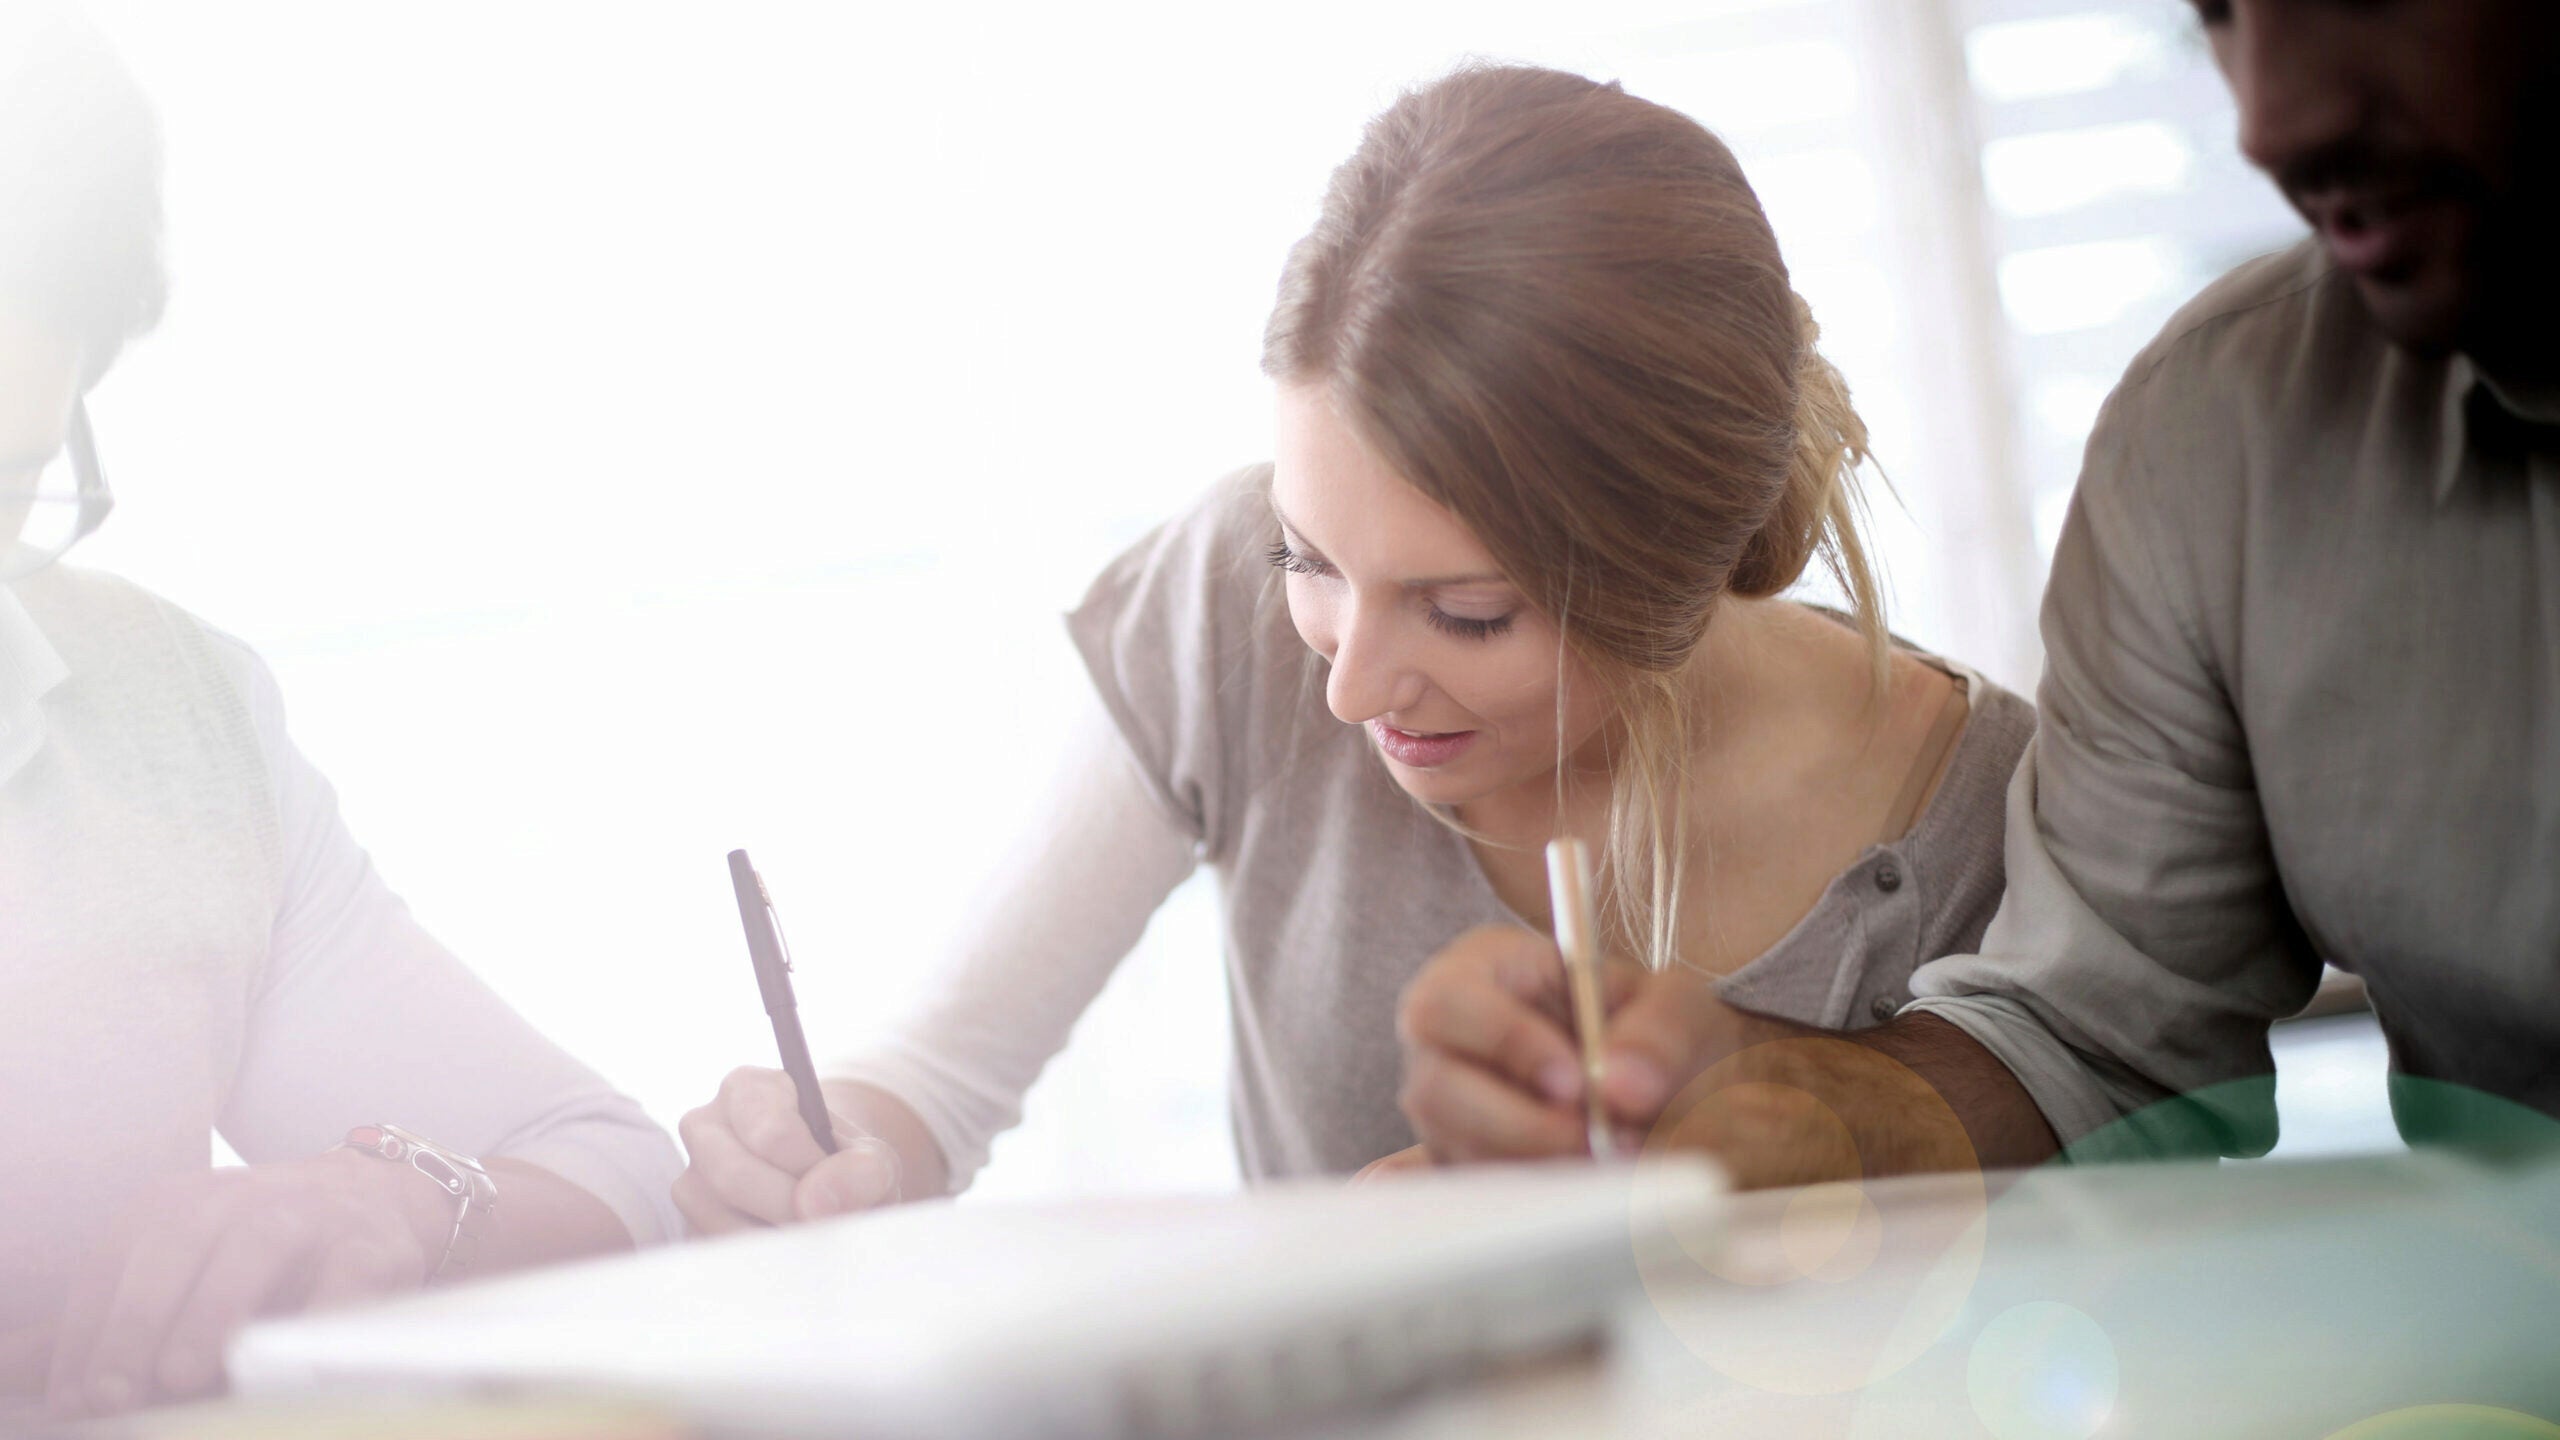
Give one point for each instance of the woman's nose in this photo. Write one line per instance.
(1371, 675)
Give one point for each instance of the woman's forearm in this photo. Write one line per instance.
(923, 1172)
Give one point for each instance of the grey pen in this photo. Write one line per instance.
(773, 977)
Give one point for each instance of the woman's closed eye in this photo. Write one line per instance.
(1284, 556)
(1468, 629)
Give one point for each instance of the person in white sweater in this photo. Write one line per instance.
(191, 941)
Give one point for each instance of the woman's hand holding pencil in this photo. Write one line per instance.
(1493, 1070)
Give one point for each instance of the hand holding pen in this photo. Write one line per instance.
(1514, 1041)
(1493, 1070)
(779, 1146)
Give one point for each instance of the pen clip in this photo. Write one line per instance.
(779, 938)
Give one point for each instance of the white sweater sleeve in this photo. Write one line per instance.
(362, 1016)
(1068, 902)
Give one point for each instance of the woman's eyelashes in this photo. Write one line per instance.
(1466, 629)
(1284, 556)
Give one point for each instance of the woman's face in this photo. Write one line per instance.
(1451, 672)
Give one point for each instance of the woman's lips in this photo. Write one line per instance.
(1420, 752)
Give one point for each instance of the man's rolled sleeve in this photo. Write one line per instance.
(2144, 945)
(2049, 969)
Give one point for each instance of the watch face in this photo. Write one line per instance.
(435, 1167)
(460, 1176)
(455, 1172)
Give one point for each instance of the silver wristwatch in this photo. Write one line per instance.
(475, 1195)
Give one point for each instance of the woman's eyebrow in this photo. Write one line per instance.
(1437, 582)
(1434, 582)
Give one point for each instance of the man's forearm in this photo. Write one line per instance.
(542, 1219)
(2002, 1122)
(1791, 1105)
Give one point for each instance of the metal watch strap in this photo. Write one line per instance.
(475, 1195)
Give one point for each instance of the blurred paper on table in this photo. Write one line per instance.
(390, 1419)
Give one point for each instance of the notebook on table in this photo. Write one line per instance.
(1169, 1317)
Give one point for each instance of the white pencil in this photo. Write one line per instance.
(1578, 938)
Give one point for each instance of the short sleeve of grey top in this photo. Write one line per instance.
(1337, 886)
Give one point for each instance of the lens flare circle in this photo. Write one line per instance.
(2042, 1371)
(1830, 1232)
(1880, 1283)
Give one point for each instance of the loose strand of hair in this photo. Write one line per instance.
(1834, 448)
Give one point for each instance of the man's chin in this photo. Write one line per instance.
(2426, 311)
(2453, 286)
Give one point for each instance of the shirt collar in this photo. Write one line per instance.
(29, 668)
(2468, 387)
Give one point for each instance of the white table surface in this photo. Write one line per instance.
(2267, 1298)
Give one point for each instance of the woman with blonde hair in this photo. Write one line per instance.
(1554, 440)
